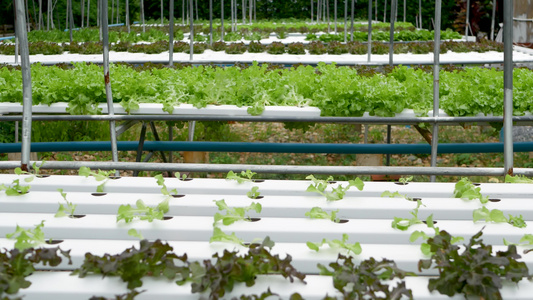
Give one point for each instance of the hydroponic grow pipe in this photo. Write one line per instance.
(508, 86)
(107, 80)
(436, 86)
(143, 145)
(272, 169)
(20, 20)
(353, 120)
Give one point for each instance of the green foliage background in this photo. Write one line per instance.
(271, 9)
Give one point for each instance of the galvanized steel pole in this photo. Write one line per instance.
(345, 21)
(128, 15)
(20, 23)
(385, 12)
(369, 45)
(71, 20)
(311, 11)
(436, 86)
(420, 13)
(467, 20)
(222, 20)
(108, 92)
(404, 10)
(171, 33)
(335, 15)
(191, 18)
(508, 86)
(142, 15)
(351, 22)
(492, 24)
(391, 39)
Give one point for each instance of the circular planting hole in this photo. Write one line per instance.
(114, 177)
(258, 197)
(42, 176)
(255, 219)
(250, 244)
(332, 182)
(186, 179)
(166, 218)
(495, 200)
(342, 221)
(76, 216)
(178, 196)
(258, 180)
(476, 184)
(54, 242)
(98, 194)
(425, 222)
(401, 183)
(416, 199)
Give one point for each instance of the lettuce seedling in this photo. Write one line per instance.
(234, 214)
(15, 189)
(142, 212)
(28, 238)
(221, 236)
(319, 213)
(466, 190)
(98, 176)
(136, 234)
(395, 195)
(517, 179)
(244, 176)
(319, 186)
(67, 209)
(355, 248)
(254, 193)
(164, 190)
(404, 223)
(497, 216)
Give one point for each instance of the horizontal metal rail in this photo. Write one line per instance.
(276, 169)
(351, 120)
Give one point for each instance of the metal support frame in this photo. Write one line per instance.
(170, 32)
(127, 16)
(222, 20)
(191, 35)
(210, 22)
(493, 21)
(369, 45)
(508, 86)
(391, 62)
(142, 138)
(20, 23)
(352, 19)
(436, 85)
(107, 80)
(345, 21)
(467, 20)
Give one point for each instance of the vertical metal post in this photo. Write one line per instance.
(250, 9)
(327, 13)
(118, 11)
(376, 10)
(508, 86)
(17, 39)
(98, 9)
(112, 11)
(243, 12)
(232, 12)
(142, 15)
(312, 11)
(404, 10)
(391, 63)
(369, 45)
(20, 23)
(345, 21)
(67, 14)
(71, 20)
(255, 10)
(318, 2)
(48, 14)
(88, 11)
(40, 14)
(436, 85)
(420, 13)
(100, 3)
(196, 6)
(108, 92)
(335, 14)
(171, 33)
(183, 12)
(352, 17)
(222, 20)
(191, 19)
(467, 20)
(210, 22)
(82, 12)
(492, 24)
(385, 12)
(391, 40)
(128, 15)
(161, 12)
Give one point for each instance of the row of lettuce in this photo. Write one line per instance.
(296, 48)
(336, 91)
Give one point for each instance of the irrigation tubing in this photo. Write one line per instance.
(446, 148)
